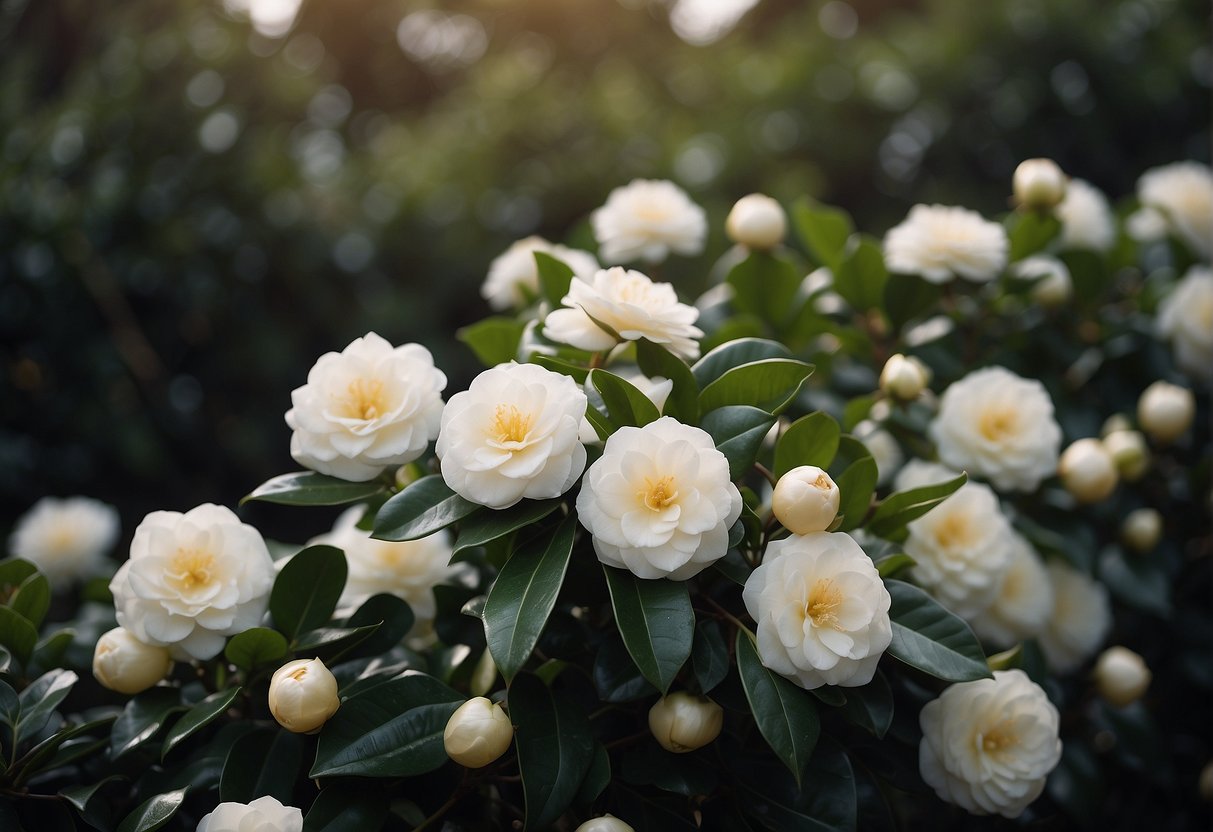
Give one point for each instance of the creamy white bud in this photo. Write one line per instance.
(606, 823)
(682, 722)
(1038, 184)
(303, 695)
(757, 221)
(1165, 411)
(1141, 529)
(477, 733)
(904, 378)
(1130, 453)
(1115, 422)
(1205, 784)
(123, 663)
(265, 814)
(805, 500)
(1121, 676)
(1088, 471)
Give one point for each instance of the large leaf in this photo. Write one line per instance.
(870, 706)
(255, 647)
(656, 621)
(154, 812)
(486, 526)
(17, 634)
(824, 230)
(198, 717)
(347, 808)
(765, 285)
(862, 275)
(394, 617)
(32, 599)
(423, 508)
(494, 340)
(522, 597)
(810, 440)
(391, 730)
(895, 511)
(855, 489)
(829, 805)
(39, 700)
(616, 677)
(69, 738)
(656, 361)
(143, 717)
(786, 716)
(908, 296)
(768, 384)
(709, 655)
(929, 637)
(1030, 232)
(306, 591)
(307, 488)
(738, 432)
(555, 748)
(733, 354)
(625, 403)
(261, 763)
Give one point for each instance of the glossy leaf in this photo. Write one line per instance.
(347, 809)
(423, 508)
(555, 277)
(786, 716)
(894, 563)
(862, 275)
(929, 637)
(154, 812)
(824, 230)
(624, 402)
(394, 617)
(307, 588)
(738, 432)
(656, 361)
(855, 489)
(486, 526)
(555, 748)
(143, 717)
(898, 509)
(656, 622)
(39, 700)
(264, 762)
(767, 384)
(870, 706)
(32, 599)
(709, 656)
(765, 285)
(810, 440)
(1030, 232)
(616, 676)
(198, 717)
(733, 354)
(493, 340)
(17, 634)
(307, 488)
(255, 647)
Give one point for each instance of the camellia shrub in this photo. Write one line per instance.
(838, 546)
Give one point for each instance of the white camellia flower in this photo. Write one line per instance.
(756, 221)
(1129, 451)
(366, 408)
(265, 814)
(513, 434)
(822, 610)
(513, 274)
(646, 220)
(904, 378)
(1086, 218)
(66, 539)
(1053, 285)
(408, 569)
(962, 549)
(1183, 193)
(659, 501)
(125, 664)
(1185, 317)
(1147, 224)
(303, 695)
(1024, 600)
(988, 745)
(998, 426)
(632, 305)
(192, 580)
(940, 243)
(1079, 622)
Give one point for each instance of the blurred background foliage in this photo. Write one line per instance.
(195, 205)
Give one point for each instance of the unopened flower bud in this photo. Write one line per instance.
(681, 722)
(805, 500)
(1129, 452)
(904, 378)
(1121, 676)
(303, 695)
(1115, 422)
(1038, 184)
(1088, 471)
(477, 733)
(125, 664)
(606, 823)
(757, 222)
(1141, 529)
(1165, 411)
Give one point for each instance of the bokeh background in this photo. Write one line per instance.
(199, 197)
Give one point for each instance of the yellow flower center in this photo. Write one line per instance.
(510, 424)
(192, 568)
(660, 494)
(1002, 736)
(365, 399)
(822, 607)
(298, 673)
(953, 530)
(997, 423)
(822, 482)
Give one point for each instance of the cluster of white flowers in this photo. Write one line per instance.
(513, 277)
(66, 539)
(1079, 621)
(940, 243)
(1023, 601)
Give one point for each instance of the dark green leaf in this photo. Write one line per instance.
(554, 745)
(306, 590)
(577, 372)
(347, 809)
(855, 489)
(79, 796)
(1030, 232)
(870, 706)
(810, 440)
(17, 634)
(1138, 582)
(616, 676)
(261, 763)
(493, 340)
(198, 717)
(597, 778)
(36, 758)
(831, 805)
(13, 571)
(555, 277)
(733, 354)
(307, 488)
(39, 700)
(330, 643)
(522, 597)
(908, 296)
(32, 599)
(709, 656)
(143, 717)
(738, 432)
(255, 647)
(895, 511)
(768, 384)
(929, 637)
(625, 404)
(765, 285)
(824, 230)
(786, 716)
(487, 526)
(856, 410)
(684, 774)
(423, 508)
(894, 563)
(656, 621)
(153, 813)
(394, 617)
(656, 361)
(49, 652)
(861, 275)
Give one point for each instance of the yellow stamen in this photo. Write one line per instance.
(192, 568)
(1000, 737)
(997, 423)
(510, 424)
(364, 399)
(298, 673)
(822, 607)
(953, 530)
(660, 494)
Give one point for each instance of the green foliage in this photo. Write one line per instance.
(656, 622)
(424, 507)
(307, 488)
(306, 590)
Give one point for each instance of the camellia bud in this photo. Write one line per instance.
(123, 663)
(1121, 676)
(606, 823)
(1141, 529)
(303, 695)
(756, 221)
(682, 722)
(1129, 452)
(1088, 471)
(1038, 184)
(1165, 411)
(805, 500)
(904, 378)
(477, 733)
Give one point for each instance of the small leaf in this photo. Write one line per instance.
(929, 637)
(824, 230)
(656, 361)
(394, 618)
(17, 634)
(733, 354)
(625, 404)
(255, 647)
(855, 489)
(32, 599)
(898, 509)
(263, 762)
(738, 432)
(862, 275)
(709, 656)
(486, 526)
(307, 488)
(13, 571)
(493, 340)
(39, 700)
(811, 440)
(786, 716)
(555, 748)
(423, 508)
(154, 812)
(198, 717)
(656, 621)
(1007, 659)
(307, 589)
(555, 277)
(143, 717)
(347, 809)
(768, 384)
(79, 796)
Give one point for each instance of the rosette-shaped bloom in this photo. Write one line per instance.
(409, 569)
(1183, 193)
(822, 610)
(513, 434)
(659, 501)
(646, 220)
(998, 426)
(513, 275)
(192, 580)
(1080, 619)
(365, 408)
(632, 305)
(940, 243)
(962, 549)
(988, 745)
(1185, 317)
(66, 539)
(1024, 600)
(265, 814)
(1086, 218)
